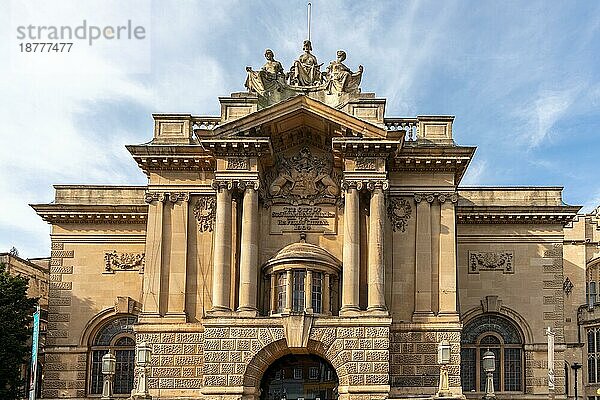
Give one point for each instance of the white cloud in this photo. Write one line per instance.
(548, 107)
(475, 174)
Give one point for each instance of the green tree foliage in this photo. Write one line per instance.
(15, 330)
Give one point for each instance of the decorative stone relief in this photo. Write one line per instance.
(237, 163)
(399, 211)
(205, 211)
(567, 286)
(303, 178)
(490, 261)
(366, 163)
(123, 261)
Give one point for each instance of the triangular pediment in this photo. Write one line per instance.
(296, 113)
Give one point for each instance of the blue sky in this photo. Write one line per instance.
(522, 79)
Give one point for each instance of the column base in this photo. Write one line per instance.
(350, 311)
(379, 311)
(148, 317)
(247, 312)
(448, 317)
(423, 316)
(219, 311)
(174, 317)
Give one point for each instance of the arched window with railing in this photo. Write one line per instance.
(115, 336)
(503, 338)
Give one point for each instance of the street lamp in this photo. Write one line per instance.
(489, 366)
(443, 359)
(576, 366)
(109, 363)
(143, 354)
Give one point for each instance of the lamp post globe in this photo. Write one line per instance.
(444, 359)
(488, 363)
(109, 364)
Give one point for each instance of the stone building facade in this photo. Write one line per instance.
(303, 225)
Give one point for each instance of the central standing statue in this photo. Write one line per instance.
(306, 70)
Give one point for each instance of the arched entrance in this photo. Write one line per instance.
(299, 377)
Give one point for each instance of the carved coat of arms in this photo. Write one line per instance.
(303, 178)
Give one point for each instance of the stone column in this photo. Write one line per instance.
(222, 250)
(326, 301)
(249, 252)
(289, 288)
(154, 248)
(351, 256)
(447, 263)
(178, 256)
(308, 292)
(423, 257)
(273, 293)
(376, 262)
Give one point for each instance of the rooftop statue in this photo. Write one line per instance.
(270, 77)
(340, 79)
(273, 85)
(306, 69)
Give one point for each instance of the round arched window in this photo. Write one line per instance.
(116, 337)
(500, 336)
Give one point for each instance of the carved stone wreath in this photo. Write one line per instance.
(205, 211)
(490, 261)
(399, 211)
(123, 261)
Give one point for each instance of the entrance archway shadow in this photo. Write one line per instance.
(299, 376)
(276, 350)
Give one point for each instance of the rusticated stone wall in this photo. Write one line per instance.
(64, 375)
(413, 358)
(228, 360)
(177, 359)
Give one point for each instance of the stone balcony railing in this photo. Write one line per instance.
(409, 125)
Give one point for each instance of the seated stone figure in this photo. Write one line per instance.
(340, 79)
(306, 70)
(270, 77)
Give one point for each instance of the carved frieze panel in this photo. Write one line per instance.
(305, 176)
(237, 163)
(114, 261)
(366, 163)
(491, 261)
(205, 210)
(399, 212)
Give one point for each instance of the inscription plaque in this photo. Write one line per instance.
(304, 218)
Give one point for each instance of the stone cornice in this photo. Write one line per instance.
(169, 157)
(365, 147)
(92, 214)
(434, 158)
(515, 214)
(250, 146)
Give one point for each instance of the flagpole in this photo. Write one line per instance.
(309, 12)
